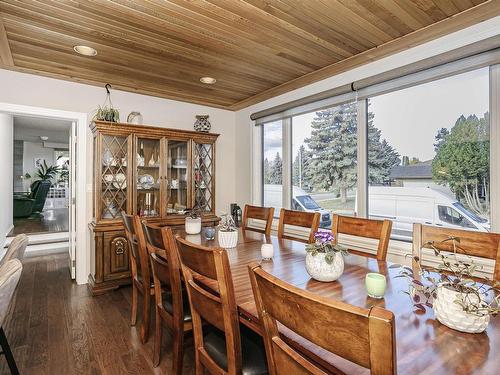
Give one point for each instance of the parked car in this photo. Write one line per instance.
(301, 201)
(405, 206)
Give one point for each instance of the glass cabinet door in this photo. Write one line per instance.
(177, 177)
(113, 197)
(148, 177)
(203, 176)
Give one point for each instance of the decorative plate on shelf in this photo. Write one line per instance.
(108, 178)
(146, 181)
(120, 181)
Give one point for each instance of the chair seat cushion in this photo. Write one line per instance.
(167, 304)
(252, 350)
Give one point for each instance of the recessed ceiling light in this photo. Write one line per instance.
(85, 50)
(208, 80)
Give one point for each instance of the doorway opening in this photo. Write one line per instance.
(41, 178)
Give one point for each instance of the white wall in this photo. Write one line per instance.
(6, 171)
(32, 90)
(248, 153)
(31, 151)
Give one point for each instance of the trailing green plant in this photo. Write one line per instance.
(107, 112)
(474, 294)
(324, 242)
(227, 224)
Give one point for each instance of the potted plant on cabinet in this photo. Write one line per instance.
(325, 259)
(460, 300)
(228, 232)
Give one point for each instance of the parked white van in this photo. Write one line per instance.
(301, 201)
(406, 205)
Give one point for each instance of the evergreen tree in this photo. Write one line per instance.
(301, 166)
(333, 149)
(267, 172)
(462, 161)
(382, 157)
(439, 138)
(276, 170)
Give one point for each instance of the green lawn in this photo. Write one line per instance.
(337, 205)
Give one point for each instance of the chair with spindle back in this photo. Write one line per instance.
(258, 213)
(298, 219)
(377, 229)
(365, 337)
(142, 281)
(479, 244)
(222, 346)
(171, 304)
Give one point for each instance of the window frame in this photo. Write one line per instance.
(399, 247)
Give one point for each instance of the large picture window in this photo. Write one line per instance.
(272, 165)
(436, 155)
(324, 162)
(420, 154)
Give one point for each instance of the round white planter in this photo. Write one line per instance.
(452, 315)
(320, 270)
(193, 226)
(228, 240)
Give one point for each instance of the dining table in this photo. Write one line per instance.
(423, 344)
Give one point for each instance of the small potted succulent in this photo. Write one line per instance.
(460, 300)
(325, 259)
(193, 221)
(228, 232)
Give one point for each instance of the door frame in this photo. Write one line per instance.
(82, 135)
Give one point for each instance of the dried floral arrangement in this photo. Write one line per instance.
(324, 242)
(227, 224)
(474, 294)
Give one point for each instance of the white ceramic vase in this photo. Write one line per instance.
(452, 315)
(320, 270)
(227, 240)
(193, 226)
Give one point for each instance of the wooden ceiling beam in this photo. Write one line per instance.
(5, 53)
(462, 20)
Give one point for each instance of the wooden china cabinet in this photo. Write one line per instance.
(153, 172)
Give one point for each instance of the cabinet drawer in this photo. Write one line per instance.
(116, 255)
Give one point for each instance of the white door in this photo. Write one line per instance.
(72, 200)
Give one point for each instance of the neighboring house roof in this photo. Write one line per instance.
(421, 170)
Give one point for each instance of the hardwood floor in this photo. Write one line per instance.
(51, 221)
(55, 327)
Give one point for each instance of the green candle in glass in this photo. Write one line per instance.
(375, 284)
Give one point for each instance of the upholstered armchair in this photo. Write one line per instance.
(25, 204)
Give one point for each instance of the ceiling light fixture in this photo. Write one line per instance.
(85, 50)
(208, 80)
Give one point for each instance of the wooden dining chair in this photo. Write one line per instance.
(142, 280)
(367, 228)
(171, 304)
(265, 214)
(10, 273)
(222, 345)
(479, 244)
(298, 219)
(365, 337)
(16, 249)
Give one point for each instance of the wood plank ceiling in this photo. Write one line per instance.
(255, 49)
